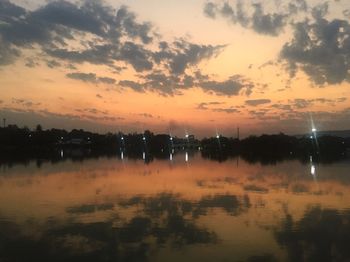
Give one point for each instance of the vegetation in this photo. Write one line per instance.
(18, 142)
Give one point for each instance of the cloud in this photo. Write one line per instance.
(266, 23)
(8, 54)
(24, 102)
(91, 78)
(235, 85)
(320, 48)
(210, 9)
(189, 54)
(58, 22)
(168, 84)
(132, 84)
(230, 110)
(300, 103)
(257, 102)
(269, 24)
(53, 63)
(30, 62)
(136, 55)
(204, 105)
(71, 34)
(28, 117)
(103, 36)
(94, 111)
(146, 115)
(212, 106)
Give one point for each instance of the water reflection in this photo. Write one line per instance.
(321, 235)
(108, 210)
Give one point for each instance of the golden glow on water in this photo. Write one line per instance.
(95, 190)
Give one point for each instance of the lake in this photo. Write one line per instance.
(185, 208)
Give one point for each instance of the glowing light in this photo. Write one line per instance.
(186, 157)
(143, 155)
(122, 138)
(311, 137)
(171, 139)
(144, 138)
(217, 136)
(314, 130)
(171, 157)
(61, 153)
(187, 136)
(122, 155)
(313, 170)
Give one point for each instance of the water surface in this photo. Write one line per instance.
(182, 209)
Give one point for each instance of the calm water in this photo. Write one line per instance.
(110, 209)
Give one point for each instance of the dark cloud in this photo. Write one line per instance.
(127, 21)
(132, 84)
(91, 78)
(294, 7)
(30, 62)
(284, 107)
(300, 103)
(92, 111)
(114, 37)
(210, 9)
(271, 23)
(53, 63)
(229, 110)
(235, 85)
(8, 11)
(137, 56)
(189, 54)
(57, 22)
(205, 105)
(8, 54)
(320, 48)
(212, 106)
(71, 34)
(165, 84)
(257, 102)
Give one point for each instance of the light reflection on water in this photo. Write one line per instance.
(181, 208)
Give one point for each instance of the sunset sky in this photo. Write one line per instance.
(176, 66)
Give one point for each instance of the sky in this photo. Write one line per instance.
(201, 67)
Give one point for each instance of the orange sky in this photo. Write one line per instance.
(72, 90)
